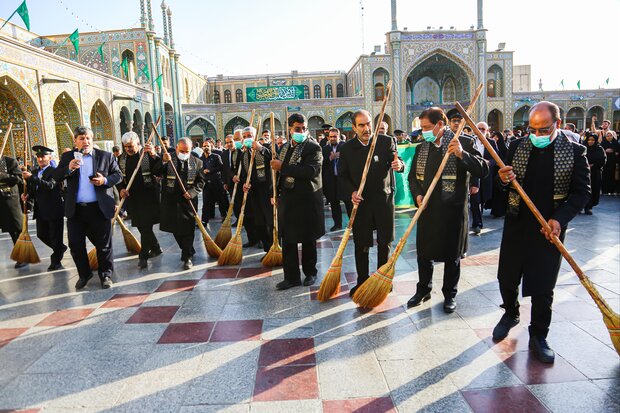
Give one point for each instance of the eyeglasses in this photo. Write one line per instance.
(541, 131)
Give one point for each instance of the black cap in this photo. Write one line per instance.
(453, 113)
(41, 150)
(326, 126)
(398, 132)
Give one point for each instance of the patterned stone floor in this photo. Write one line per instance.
(224, 340)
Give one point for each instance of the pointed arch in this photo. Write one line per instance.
(66, 112)
(101, 122)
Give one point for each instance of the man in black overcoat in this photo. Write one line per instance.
(554, 172)
(376, 205)
(300, 207)
(10, 207)
(331, 161)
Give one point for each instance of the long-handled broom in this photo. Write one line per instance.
(6, 137)
(23, 250)
(233, 253)
(330, 286)
(376, 288)
(131, 242)
(610, 317)
(212, 249)
(274, 256)
(224, 235)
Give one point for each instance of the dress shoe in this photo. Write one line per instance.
(477, 230)
(418, 299)
(250, 244)
(309, 280)
(352, 291)
(502, 328)
(187, 264)
(541, 349)
(286, 284)
(20, 264)
(142, 263)
(588, 212)
(155, 253)
(449, 305)
(81, 282)
(335, 228)
(55, 266)
(106, 283)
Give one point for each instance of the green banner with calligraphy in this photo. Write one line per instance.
(274, 93)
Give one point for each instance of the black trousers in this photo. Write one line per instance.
(290, 260)
(214, 193)
(451, 276)
(88, 221)
(362, 261)
(50, 232)
(336, 212)
(148, 240)
(14, 236)
(541, 307)
(186, 243)
(264, 234)
(476, 207)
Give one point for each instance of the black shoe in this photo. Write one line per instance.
(309, 280)
(541, 349)
(187, 264)
(20, 265)
(155, 253)
(106, 283)
(588, 212)
(449, 305)
(335, 228)
(477, 230)
(352, 291)
(286, 284)
(142, 263)
(81, 282)
(502, 328)
(418, 299)
(250, 244)
(55, 266)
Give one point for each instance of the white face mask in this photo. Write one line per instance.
(183, 156)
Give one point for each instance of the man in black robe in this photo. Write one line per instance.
(258, 210)
(300, 207)
(331, 160)
(142, 199)
(376, 205)
(554, 172)
(442, 229)
(10, 209)
(49, 206)
(177, 216)
(214, 186)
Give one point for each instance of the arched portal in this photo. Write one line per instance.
(597, 111)
(200, 128)
(137, 122)
(380, 79)
(576, 116)
(235, 123)
(386, 119)
(148, 125)
(345, 124)
(125, 120)
(128, 66)
(16, 105)
(169, 120)
(495, 120)
(521, 117)
(495, 82)
(315, 125)
(66, 113)
(101, 122)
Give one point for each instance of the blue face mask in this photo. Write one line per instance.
(540, 141)
(248, 142)
(429, 136)
(299, 137)
(238, 144)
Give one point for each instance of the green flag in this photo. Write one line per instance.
(145, 72)
(22, 10)
(158, 80)
(75, 39)
(125, 67)
(579, 84)
(562, 83)
(607, 81)
(100, 50)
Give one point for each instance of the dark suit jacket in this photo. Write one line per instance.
(46, 193)
(228, 170)
(330, 186)
(104, 163)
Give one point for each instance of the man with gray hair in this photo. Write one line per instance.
(177, 215)
(142, 199)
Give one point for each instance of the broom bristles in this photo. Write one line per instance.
(233, 253)
(330, 286)
(274, 256)
(92, 259)
(24, 250)
(212, 249)
(131, 242)
(375, 289)
(224, 235)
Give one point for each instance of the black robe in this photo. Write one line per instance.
(499, 200)
(596, 160)
(10, 208)
(524, 250)
(300, 209)
(143, 201)
(609, 183)
(376, 211)
(442, 228)
(258, 207)
(176, 214)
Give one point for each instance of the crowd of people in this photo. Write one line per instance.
(87, 183)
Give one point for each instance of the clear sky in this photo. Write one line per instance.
(561, 39)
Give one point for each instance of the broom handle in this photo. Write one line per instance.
(273, 176)
(6, 139)
(370, 153)
(135, 171)
(517, 186)
(25, 164)
(248, 178)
